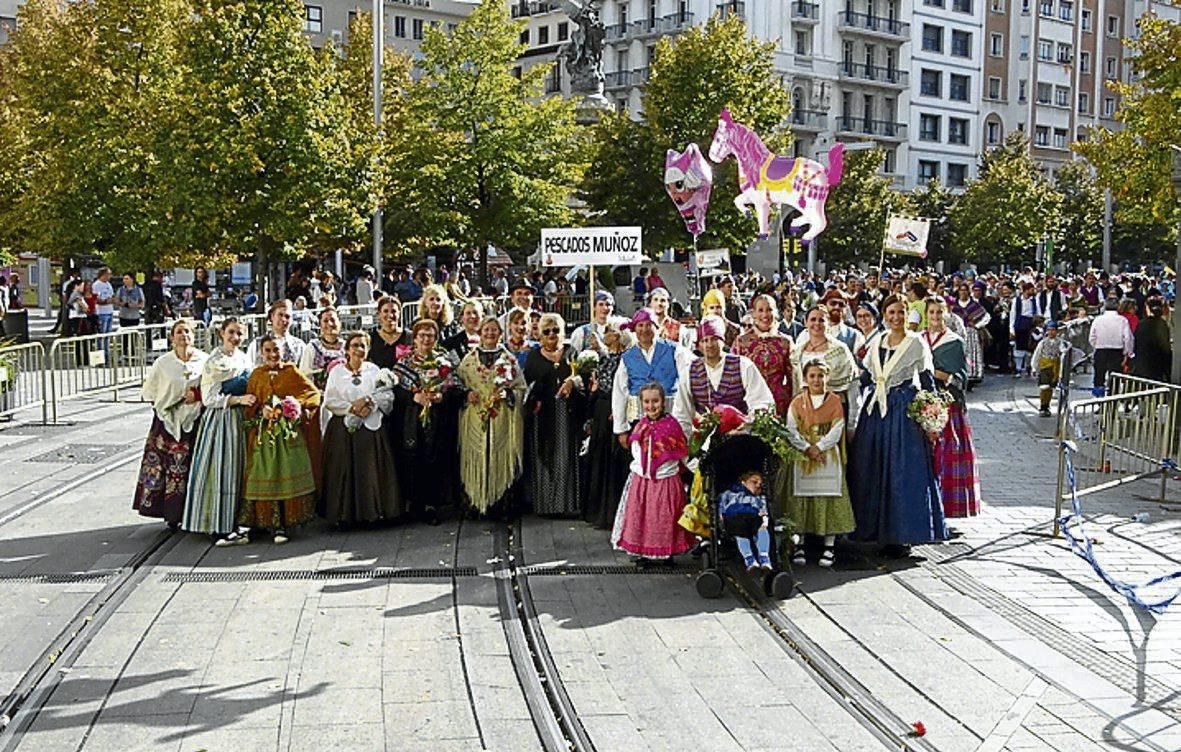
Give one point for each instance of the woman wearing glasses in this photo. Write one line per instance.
(360, 480)
(554, 417)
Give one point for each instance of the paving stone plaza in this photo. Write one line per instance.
(117, 635)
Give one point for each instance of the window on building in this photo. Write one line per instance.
(1085, 19)
(563, 31)
(1024, 47)
(1113, 26)
(889, 166)
(997, 6)
(1084, 102)
(1084, 62)
(1065, 52)
(994, 87)
(929, 127)
(996, 44)
(313, 19)
(928, 171)
(1041, 135)
(961, 43)
(1022, 90)
(961, 6)
(1062, 96)
(451, 27)
(1025, 7)
(1046, 8)
(524, 34)
(400, 27)
(957, 131)
(1108, 106)
(1066, 10)
(932, 38)
(803, 42)
(1045, 49)
(1045, 93)
(623, 14)
(416, 30)
(517, 72)
(1059, 138)
(957, 87)
(957, 174)
(1109, 67)
(993, 133)
(933, 3)
(931, 83)
(543, 35)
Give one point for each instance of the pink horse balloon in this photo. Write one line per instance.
(765, 178)
(688, 178)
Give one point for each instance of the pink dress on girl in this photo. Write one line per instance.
(655, 496)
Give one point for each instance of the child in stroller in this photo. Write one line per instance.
(743, 508)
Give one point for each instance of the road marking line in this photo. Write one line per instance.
(1011, 722)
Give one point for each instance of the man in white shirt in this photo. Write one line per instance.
(1111, 336)
(718, 378)
(105, 294)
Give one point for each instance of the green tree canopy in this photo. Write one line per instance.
(1009, 208)
(857, 210)
(935, 202)
(1080, 234)
(691, 78)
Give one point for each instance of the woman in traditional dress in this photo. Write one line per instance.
(173, 386)
(426, 413)
(842, 368)
(280, 486)
(360, 480)
(518, 341)
(389, 342)
(468, 337)
(436, 306)
(553, 424)
(868, 323)
(606, 459)
(955, 455)
(219, 457)
(976, 320)
(667, 327)
(819, 503)
(323, 351)
(892, 480)
(769, 350)
(291, 348)
(491, 427)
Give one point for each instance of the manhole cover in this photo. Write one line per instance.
(81, 454)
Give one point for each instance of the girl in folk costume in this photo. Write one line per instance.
(173, 386)
(955, 456)
(769, 350)
(219, 457)
(518, 341)
(976, 321)
(892, 481)
(470, 317)
(820, 502)
(360, 479)
(491, 427)
(323, 352)
(280, 487)
(654, 496)
(817, 344)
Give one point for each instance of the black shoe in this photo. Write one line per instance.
(699, 550)
(1044, 412)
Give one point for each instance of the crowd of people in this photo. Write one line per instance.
(467, 412)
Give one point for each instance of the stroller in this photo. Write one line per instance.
(728, 458)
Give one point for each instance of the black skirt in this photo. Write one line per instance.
(360, 480)
(606, 465)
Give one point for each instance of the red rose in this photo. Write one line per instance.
(730, 418)
(918, 729)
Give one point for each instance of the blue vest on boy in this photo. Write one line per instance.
(662, 369)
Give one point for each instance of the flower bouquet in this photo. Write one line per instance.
(929, 410)
(585, 364)
(721, 420)
(504, 372)
(381, 399)
(283, 423)
(434, 374)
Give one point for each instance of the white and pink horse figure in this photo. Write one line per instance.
(765, 179)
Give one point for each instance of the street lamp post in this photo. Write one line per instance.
(378, 48)
(1177, 269)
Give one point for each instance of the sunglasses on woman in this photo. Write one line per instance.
(549, 332)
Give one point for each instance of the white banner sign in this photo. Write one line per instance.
(907, 235)
(591, 246)
(712, 262)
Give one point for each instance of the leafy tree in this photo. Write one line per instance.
(1007, 209)
(934, 202)
(858, 208)
(1080, 234)
(691, 78)
(257, 147)
(1135, 161)
(503, 159)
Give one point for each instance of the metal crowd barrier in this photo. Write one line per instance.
(1129, 435)
(574, 309)
(96, 362)
(22, 379)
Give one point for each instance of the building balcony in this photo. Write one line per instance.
(676, 22)
(874, 75)
(808, 120)
(648, 27)
(884, 130)
(874, 26)
(625, 79)
(733, 8)
(532, 8)
(805, 12)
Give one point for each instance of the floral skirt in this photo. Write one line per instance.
(955, 461)
(164, 474)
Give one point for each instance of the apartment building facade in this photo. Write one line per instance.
(326, 22)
